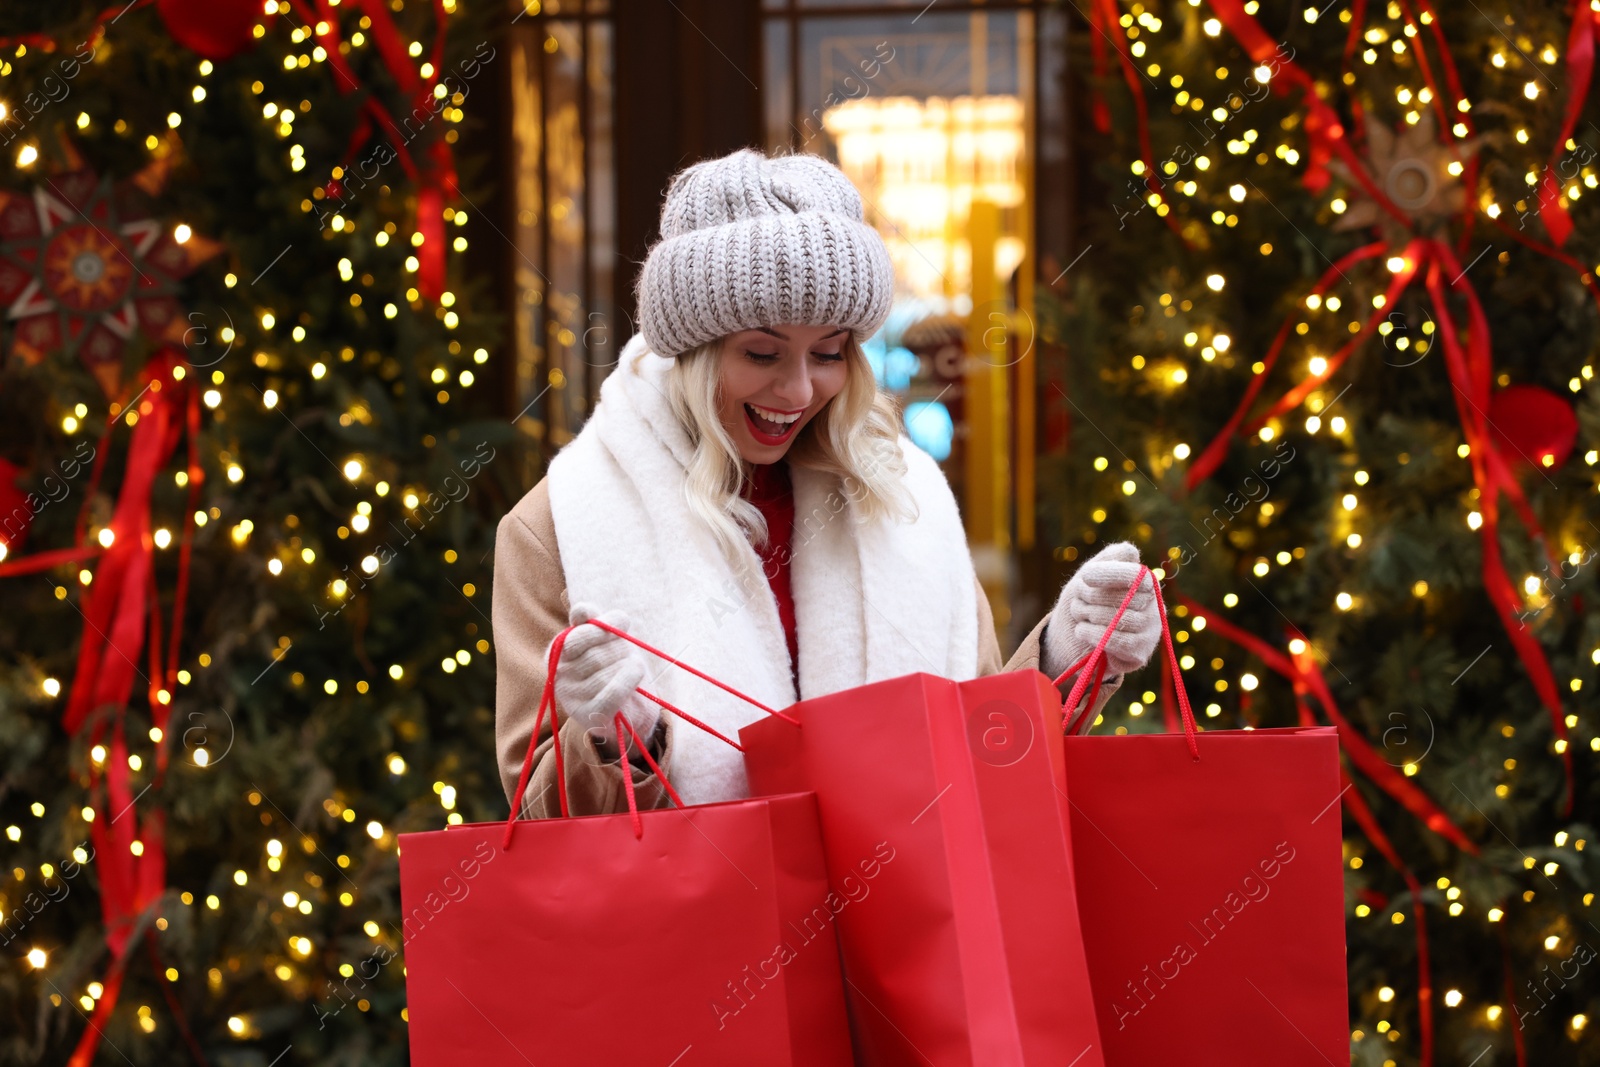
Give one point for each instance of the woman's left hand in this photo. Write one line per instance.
(1089, 602)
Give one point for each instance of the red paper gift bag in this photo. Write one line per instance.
(684, 936)
(1210, 881)
(946, 834)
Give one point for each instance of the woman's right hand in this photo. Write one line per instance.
(600, 673)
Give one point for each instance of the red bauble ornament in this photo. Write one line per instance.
(215, 29)
(1533, 426)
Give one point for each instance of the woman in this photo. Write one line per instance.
(742, 498)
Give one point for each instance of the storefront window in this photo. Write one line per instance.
(564, 233)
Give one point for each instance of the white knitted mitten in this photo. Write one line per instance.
(1089, 602)
(599, 674)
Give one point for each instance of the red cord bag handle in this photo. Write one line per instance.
(1091, 669)
(547, 700)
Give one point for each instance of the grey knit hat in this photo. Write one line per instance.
(748, 240)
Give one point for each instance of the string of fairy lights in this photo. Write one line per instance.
(1224, 202)
(296, 552)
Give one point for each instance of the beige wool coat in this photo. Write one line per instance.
(531, 608)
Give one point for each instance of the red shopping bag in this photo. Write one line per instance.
(1210, 881)
(945, 830)
(675, 936)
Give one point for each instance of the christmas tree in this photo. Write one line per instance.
(249, 493)
(1329, 356)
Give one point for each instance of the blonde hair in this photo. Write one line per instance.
(855, 436)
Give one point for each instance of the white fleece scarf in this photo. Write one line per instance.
(872, 600)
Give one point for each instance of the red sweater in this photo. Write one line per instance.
(770, 491)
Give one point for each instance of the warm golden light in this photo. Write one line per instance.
(920, 164)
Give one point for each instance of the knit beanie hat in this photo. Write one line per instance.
(748, 240)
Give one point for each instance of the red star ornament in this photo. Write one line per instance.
(85, 267)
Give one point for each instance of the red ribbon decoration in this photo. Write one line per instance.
(114, 613)
(1580, 68)
(120, 601)
(1470, 371)
(1211, 457)
(1469, 374)
(1110, 22)
(1103, 15)
(1411, 259)
(1511, 996)
(1097, 52)
(436, 178)
(430, 254)
(1322, 122)
(1469, 177)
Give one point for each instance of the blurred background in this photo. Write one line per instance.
(301, 296)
